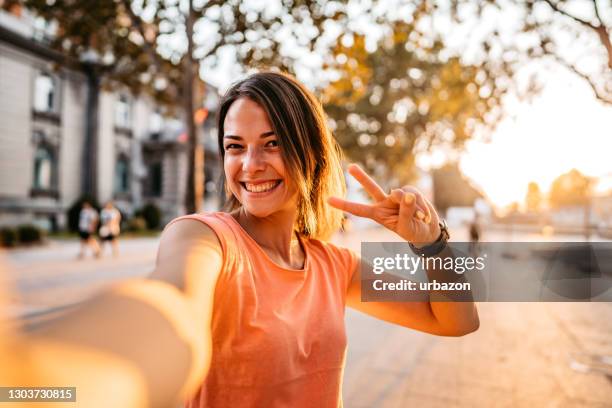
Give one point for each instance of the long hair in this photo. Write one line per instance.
(310, 153)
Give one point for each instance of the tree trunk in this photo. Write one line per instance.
(90, 163)
(195, 170)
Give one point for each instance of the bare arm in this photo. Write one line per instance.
(440, 318)
(407, 213)
(190, 258)
(142, 343)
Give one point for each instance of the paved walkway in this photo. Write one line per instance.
(50, 277)
(523, 355)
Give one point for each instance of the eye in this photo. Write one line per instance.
(231, 146)
(272, 143)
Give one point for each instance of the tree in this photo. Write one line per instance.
(533, 199)
(588, 27)
(406, 95)
(450, 69)
(134, 43)
(570, 189)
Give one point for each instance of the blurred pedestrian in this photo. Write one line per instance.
(88, 224)
(110, 227)
(474, 247)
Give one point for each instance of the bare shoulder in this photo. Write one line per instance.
(188, 231)
(189, 252)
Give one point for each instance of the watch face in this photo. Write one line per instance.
(444, 229)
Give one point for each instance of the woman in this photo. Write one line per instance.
(268, 288)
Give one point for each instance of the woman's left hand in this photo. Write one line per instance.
(404, 211)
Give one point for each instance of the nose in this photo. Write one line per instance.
(253, 161)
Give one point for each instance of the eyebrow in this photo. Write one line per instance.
(263, 135)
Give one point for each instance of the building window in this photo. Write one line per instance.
(45, 93)
(155, 177)
(122, 112)
(44, 168)
(122, 176)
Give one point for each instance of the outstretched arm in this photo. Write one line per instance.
(142, 343)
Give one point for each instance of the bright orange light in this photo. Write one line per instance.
(200, 116)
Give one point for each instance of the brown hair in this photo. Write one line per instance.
(309, 151)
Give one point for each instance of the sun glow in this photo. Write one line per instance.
(564, 127)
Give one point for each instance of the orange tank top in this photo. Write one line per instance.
(278, 334)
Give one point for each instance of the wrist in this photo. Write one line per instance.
(435, 247)
(435, 237)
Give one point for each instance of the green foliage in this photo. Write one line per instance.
(133, 43)
(8, 237)
(75, 209)
(29, 234)
(406, 96)
(137, 224)
(151, 214)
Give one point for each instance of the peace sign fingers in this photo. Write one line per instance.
(360, 210)
(368, 184)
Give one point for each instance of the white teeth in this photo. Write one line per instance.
(262, 187)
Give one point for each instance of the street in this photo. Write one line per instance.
(523, 355)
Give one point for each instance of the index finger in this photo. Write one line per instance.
(369, 185)
(358, 209)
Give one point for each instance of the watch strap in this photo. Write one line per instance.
(435, 247)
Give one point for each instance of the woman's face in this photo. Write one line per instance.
(253, 165)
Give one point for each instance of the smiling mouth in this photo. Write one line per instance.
(261, 187)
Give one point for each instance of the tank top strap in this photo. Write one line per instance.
(221, 228)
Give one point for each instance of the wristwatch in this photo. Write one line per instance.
(435, 247)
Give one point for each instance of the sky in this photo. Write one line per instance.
(564, 128)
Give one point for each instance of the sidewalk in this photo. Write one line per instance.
(51, 276)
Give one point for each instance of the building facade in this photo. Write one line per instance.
(139, 154)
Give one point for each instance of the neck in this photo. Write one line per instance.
(275, 234)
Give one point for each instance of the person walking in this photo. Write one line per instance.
(88, 223)
(110, 227)
(475, 233)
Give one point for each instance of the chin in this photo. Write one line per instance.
(260, 211)
(262, 207)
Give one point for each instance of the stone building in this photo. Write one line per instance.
(139, 154)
